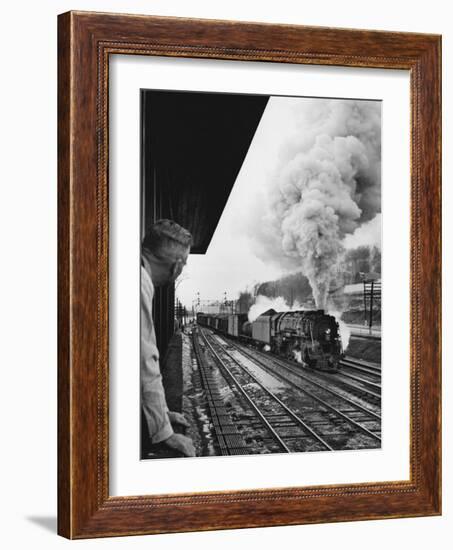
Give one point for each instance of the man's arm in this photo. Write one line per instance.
(155, 408)
(152, 391)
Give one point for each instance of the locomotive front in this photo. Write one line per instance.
(310, 337)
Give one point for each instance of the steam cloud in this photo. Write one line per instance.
(345, 331)
(264, 303)
(327, 184)
(368, 234)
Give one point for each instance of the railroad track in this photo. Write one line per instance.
(330, 426)
(362, 367)
(286, 428)
(228, 437)
(365, 336)
(365, 375)
(293, 375)
(368, 392)
(360, 377)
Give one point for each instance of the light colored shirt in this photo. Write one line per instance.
(152, 392)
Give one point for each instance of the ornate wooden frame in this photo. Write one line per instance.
(85, 41)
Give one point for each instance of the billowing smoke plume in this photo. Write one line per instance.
(327, 185)
(368, 234)
(263, 303)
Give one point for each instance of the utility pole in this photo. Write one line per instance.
(371, 296)
(371, 304)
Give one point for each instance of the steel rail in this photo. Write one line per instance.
(292, 370)
(361, 367)
(373, 385)
(285, 407)
(291, 413)
(316, 398)
(247, 397)
(211, 401)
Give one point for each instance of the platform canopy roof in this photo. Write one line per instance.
(195, 144)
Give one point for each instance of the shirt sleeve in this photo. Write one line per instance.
(152, 392)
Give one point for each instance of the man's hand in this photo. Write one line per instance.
(177, 418)
(181, 443)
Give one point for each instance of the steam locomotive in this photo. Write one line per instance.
(309, 337)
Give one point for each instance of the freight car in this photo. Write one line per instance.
(309, 337)
(229, 324)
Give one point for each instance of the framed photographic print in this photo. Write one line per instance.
(249, 275)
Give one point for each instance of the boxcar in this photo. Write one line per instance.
(235, 322)
(222, 323)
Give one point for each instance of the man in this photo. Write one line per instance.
(165, 249)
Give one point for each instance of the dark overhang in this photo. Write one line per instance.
(193, 147)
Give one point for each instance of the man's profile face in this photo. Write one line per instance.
(166, 269)
(179, 265)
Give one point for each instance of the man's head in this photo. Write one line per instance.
(166, 247)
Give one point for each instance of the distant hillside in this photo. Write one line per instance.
(293, 288)
(358, 264)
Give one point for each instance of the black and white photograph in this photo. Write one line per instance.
(225, 298)
(260, 274)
